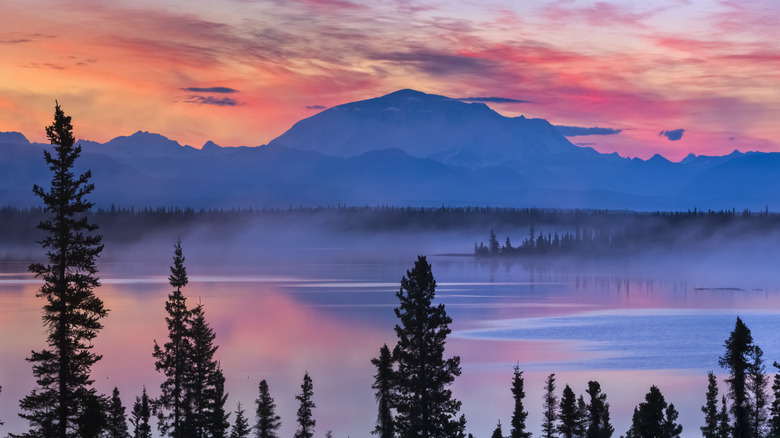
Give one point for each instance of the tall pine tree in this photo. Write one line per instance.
(72, 313)
(306, 421)
(267, 421)
(759, 399)
(425, 405)
(200, 381)
(653, 418)
(519, 414)
(172, 358)
(384, 385)
(736, 359)
(571, 416)
(774, 410)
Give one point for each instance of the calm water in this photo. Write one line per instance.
(625, 325)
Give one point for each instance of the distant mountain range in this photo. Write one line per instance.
(405, 148)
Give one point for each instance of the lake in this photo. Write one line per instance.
(627, 324)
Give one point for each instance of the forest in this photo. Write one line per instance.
(413, 377)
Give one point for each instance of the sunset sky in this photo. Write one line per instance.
(241, 72)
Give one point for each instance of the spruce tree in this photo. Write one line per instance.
(736, 359)
(384, 385)
(267, 421)
(757, 386)
(72, 313)
(724, 428)
(117, 420)
(710, 408)
(550, 407)
(519, 414)
(425, 406)
(497, 433)
(241, 427)
(774, 410)
(570, 417)
(1, 391)
(598, 413)
(200, 381)
(172, 358)
(140, 416)
(653, 418)
(217, 419)
(306, 421)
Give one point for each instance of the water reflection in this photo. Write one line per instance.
(277, 321)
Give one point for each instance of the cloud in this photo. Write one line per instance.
(672, 135)
(493, 100)
(573, 131)
(315, 107)
(211, 100)
(210, 90)
(440, 64)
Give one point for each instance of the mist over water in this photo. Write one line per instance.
(285, 297)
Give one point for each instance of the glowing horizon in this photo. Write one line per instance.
(242, 73)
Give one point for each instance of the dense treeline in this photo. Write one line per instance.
(604, 228)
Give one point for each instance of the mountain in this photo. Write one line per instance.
(405, 148)
(426, 126)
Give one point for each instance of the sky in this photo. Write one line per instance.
(671, 76)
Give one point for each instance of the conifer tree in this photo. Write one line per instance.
(72, 313)
(582, 409)
(736, 359)
(1, 391)
(497, 433)
(267, 421)
(570, 415)
(217, 418)
(117, 420)
(550, 406)
(756, 386)
(519, 414)
(653, 418)
(724, 428)
(710, 408)
(384, 385)
(172, 358)
(241, 427)
(306, 421)
(199, 380)
(140, 416)
(598, 413)
(425, 406)
(774, 410)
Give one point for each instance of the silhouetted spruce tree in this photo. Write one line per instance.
(92, 420)
(724, 428)
(241, 427)
(384, 385)
(497, 433)
(653, 418)
(173, 358)
(218, 423)
(710, 408)
(736, 359)
(582, 408)
(519, 414)
(116, 426)
(774, 410)
(1, 391)
(140, 416)
(493, 244)
(598, 413)
(425, 406)
(267, 421)
(550, 406)
(200, 380)
(72, 313)
(571, 416)
(757, 386)
(306, 421)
